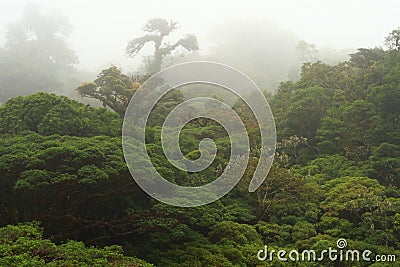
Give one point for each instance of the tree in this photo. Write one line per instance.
(307, 109)
(36, 55)
(24, 245)
(288, 150)
(384, 164)
(349, 197)
(112, 88)
(49, 114)
(115, 89)
(349, 129)
(77, 187)
(365, 58)
(308, 51)
(158, 29)
(392, 41)
(232, 232)
(37, 30)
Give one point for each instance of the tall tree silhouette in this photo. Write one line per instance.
(157, 30)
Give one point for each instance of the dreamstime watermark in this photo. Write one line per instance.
(340, 253)
(210, 73)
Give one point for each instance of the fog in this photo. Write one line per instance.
(259, 37)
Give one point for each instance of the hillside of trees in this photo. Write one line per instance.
(67, 198)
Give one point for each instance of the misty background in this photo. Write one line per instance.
(267, 40)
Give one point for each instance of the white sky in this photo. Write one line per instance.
(102, 28)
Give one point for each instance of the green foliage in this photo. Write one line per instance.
(112, 88)
(384, 164)
(230, 232)
(336, 175)
(351, 197)
(306, 111)
(49, 114)
(23, 245)
(392, 41)
(64, 182)
(330, 167)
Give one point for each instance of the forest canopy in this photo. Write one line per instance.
(67, 197)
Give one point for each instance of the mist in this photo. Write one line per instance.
(261, 39)
(280, 131)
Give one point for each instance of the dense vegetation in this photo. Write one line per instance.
(23, 245)
(336, 175)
